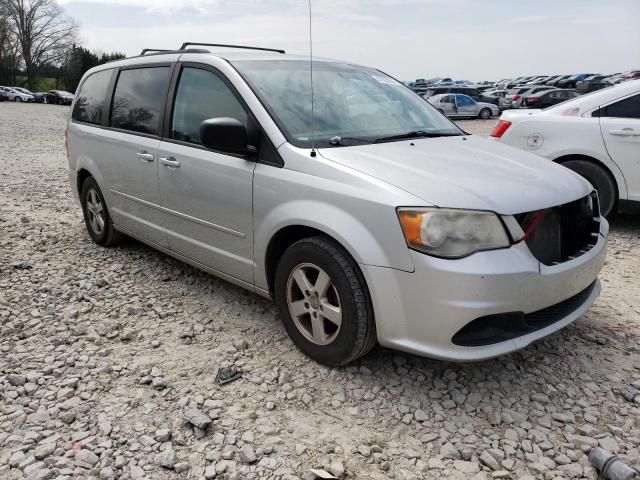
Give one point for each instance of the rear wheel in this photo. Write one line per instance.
(600, 179)
(96, 215)
(485, 114)
(324, 302)
(17, 99)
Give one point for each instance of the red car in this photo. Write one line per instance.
(59, 97)
(3, 96)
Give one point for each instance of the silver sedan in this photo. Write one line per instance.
(459, 105)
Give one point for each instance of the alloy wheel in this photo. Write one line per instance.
(95, 210)
(314, 304)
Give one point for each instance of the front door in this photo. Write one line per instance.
(620, 127)
(206, 195)
(448, 105)
(466, 106)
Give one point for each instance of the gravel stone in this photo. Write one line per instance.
(246, 454)
(166, 459)
(197, 418)
(86, 459)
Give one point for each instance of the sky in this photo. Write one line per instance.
(464, 39)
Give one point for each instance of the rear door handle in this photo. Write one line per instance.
(169, 162)
(625, 132)
(145, 156)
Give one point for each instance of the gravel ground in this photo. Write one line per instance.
(103, 351)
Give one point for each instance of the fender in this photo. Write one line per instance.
(351, 233)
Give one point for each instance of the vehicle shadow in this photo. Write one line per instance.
(627, 223)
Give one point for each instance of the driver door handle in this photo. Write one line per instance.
(625, 132)
(170, 162)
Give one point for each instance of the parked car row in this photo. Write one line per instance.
(522, 92)
(19, 94)
(585, 82)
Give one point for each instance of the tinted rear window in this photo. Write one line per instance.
(627, 108)
(138, 97)
(91, 98)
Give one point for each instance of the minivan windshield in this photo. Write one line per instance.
(352, 105)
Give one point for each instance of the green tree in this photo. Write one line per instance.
(9, 61)
(79, 60)
(42, 31)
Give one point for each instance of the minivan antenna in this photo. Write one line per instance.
(313, 143)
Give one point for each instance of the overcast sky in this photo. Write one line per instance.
(409, 39)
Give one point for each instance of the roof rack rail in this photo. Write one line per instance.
(186, 44)
(144, 52)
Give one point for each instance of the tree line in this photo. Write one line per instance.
(37, 40)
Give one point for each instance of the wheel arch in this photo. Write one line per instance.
(81, 177)
(283, 239)
(616, 181)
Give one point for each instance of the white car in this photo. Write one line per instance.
(16, 96)
(596, 135)
(457, 105)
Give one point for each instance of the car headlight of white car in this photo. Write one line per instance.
(452, 233)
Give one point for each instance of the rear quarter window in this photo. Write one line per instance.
(90, 104)
(626, 108)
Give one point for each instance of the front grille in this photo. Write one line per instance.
(501, 327)
(564, 232)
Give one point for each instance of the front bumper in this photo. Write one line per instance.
(420, 312)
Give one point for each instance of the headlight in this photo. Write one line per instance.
(450, 233)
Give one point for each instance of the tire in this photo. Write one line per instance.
(485, 114)
(347, 290)
(17, 99)
(600, 179)
(91, 194)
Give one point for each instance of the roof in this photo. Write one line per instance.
(229, 55)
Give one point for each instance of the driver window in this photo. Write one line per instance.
(464, 101)
(201, 95)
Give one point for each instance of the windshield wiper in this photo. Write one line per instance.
(337, 140)
(416, 134)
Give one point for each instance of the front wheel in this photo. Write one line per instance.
(485, 114)
(324, 302)
(601, 181)
(96, 215)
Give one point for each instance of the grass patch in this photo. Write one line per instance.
(43, 84)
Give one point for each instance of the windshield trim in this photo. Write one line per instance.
(301, 144)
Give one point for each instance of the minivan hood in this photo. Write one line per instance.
(466, 172)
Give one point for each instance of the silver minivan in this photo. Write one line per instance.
(363, 212)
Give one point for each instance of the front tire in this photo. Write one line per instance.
(324, 302)
(96, 215)
(485, 114)
(601, 181)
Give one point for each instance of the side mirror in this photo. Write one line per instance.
(225, 134)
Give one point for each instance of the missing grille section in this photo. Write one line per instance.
(564, 232)
(501, 327)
